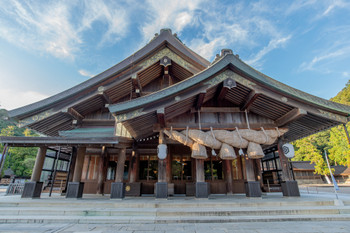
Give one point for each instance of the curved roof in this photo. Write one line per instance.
(230, 60)
(165, 36)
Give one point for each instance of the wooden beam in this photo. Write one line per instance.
(161, 116)
(200, 100)
(318, 111)
(74, 113)
(106, 98)
(222, 93)
(98, 122)
(136, 84)
(292, 115)
(206, 126)
(251, 97)
(217, 109)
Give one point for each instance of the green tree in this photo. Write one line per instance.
(340, 149)
(306, 150)
(19, 159)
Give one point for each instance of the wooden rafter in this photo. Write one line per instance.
(251, 97)
(222, 93)
(136, 85)
(290, 116)
(74, 113)
(200, 100)
(217, 109)
(161, 117)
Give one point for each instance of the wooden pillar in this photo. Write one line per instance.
(168, 167)
(134, 164)
(118, 187)
(76, 187)
(103, 166)
(39, 162)
(286, 174)
(288, 185)
(72, 161)
(200, 170)
(258, 172)
(194, 169)
(228, 176)
(120, 165)
(162, 162)
(202, 187)
(78, 169)
(249, 166)
(33, 188)
(162, 185)
(252, 187)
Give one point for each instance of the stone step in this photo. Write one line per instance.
(200, 211)
(152, 219)
(160, 204)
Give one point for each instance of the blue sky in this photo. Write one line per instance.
(49, 46)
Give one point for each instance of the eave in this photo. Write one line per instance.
(164, 39)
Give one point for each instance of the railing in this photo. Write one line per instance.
(15, 189)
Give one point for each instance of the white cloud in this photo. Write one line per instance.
(333, 5)
(346, 74)
(168, 14)
(55, 27)
(85, 73)
(11, 99)
(273, 44)
(317, 61)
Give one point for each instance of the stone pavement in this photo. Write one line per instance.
(260, 227)
(268, 227)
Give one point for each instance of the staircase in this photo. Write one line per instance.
(175, 210)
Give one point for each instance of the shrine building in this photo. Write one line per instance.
(165, 121)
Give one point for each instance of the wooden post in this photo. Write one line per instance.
(202, 187)
(102, 171)
(200, 170)
(118, 187)
(288, 185)
(252, 187)
(249, 166)
(72, 161)
(168, 167)
(33, 188)
(286, 175)
(258, 172)
(76, 187)
(228, 176)
(120, 165)
(78, 169)
(39, 162)
(162, 185)
(134, 164)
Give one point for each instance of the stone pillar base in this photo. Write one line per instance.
(75, 190)
(117, 190)
(161, 190)
(133, 189)
(202, 190)
(32, 189)
(290, 188)
(252, 189)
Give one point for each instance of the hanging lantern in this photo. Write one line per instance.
(162, 151)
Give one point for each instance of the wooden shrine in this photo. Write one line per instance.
(166, 121)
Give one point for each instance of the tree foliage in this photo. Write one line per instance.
(19, 159)
(334, 141)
